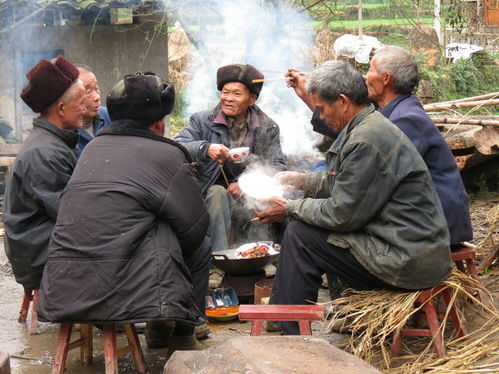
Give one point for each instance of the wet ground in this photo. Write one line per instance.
(34, 353)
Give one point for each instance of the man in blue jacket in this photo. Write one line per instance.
(96, 116)
(392, 76)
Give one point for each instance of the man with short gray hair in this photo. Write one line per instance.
(372, 218)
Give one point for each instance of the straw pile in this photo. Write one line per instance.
(373, 317)
(324, 46)
(179, 58)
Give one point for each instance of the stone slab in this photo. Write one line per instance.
(268, 355)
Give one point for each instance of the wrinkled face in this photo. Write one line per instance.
(92, 91)
(74, 109)
(374, 81)
(235, 99)
(332, 113)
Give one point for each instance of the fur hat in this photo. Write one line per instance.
(240, 73)
(143, 97)
(47, 82)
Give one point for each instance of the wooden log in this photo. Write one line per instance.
(491, 95)
(465, 121)
(7, 161)
(466, 104)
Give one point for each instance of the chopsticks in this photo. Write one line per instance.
(268, 79)
(255, 219)
(223, 173)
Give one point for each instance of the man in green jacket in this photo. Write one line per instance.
(372, 218)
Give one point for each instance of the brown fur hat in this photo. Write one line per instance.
(47, 82)
(240, 73)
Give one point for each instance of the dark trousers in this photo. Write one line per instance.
(305, 257)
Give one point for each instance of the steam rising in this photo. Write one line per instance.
(250, 32)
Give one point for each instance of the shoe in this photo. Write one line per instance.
(340, 325)
(158, 333)
(202, 331)
(271, 326)
(183, 343)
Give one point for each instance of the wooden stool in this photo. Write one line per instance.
(465, 261)
(434, 330)
(111, 353)
(29, 296)
(303, 314)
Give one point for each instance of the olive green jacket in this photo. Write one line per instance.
(378, 200)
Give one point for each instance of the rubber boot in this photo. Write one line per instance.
(183, 343)
(202, 331)
(158, 333)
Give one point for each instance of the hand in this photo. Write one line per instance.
(234, 190)
(274, 212)
(298, 81)
(293, 178)
(218, 152)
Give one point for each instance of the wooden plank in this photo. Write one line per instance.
(281, 312)
(10, 149)
(7, 161)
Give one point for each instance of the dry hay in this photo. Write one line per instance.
(493, 222)
(179, 58)
(373, 317)
(324, 46)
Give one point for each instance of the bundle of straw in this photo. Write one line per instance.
(375, 315)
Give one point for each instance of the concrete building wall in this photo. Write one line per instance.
(111, 51)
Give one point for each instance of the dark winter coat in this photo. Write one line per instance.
(204, 129)
(378, 201)
(407, 113)
(41, 171)
(130, 211)
(102, 120)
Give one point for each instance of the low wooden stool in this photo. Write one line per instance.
(30, 296)
(111, 353)
(303, 314)
(465, 261)
(434, 330)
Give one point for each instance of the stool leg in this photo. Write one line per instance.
(460, 266)
(304, 327)
(33, 326)
(62, 348)
(110, 351)
(133, 340)
(455, 314)
(87, 345)
(434, 326)
(256, 327)
(397, 341)
(23, 313)
(472, 268)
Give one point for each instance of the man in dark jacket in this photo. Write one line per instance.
(43, 166)
(235, 122)
(372, 218)
(392, 76)
(127, 243)
(96, 116)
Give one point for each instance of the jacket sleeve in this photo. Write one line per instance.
(192, 139)
(358, 191)
(320, 126)
(410, 126)
(184, 209)
(45, 177)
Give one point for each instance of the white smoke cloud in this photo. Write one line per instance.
(258, 33)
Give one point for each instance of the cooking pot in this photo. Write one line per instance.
(231, 264)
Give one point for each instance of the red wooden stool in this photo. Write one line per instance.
(111, 353)
(465, 261)
(434, 330)
(30, 296)
(303, 314)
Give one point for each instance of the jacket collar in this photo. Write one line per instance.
(387, 110)
(128, 127)
(69, 137)
(220, 118)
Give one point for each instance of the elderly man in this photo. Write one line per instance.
(136, 193)
(372, 218)
(96, 116)
(43, 166)
(236, 121)
(392, 76)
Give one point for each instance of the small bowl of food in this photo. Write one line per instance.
(239, 154)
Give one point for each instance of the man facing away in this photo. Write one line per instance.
(127, 243)
(372, 218)
(43, 166)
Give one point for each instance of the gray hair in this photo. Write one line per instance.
(333, 78)
(400, 64)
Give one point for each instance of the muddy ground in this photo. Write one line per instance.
(34, 353)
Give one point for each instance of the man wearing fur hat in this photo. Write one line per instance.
(43, 166)
(135, 192)
(235, 122)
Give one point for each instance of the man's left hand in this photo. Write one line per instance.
(275, 211)
(234, 190)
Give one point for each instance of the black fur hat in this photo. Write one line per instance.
(143, 97)
(244, 74)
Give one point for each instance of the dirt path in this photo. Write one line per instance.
(34, 354)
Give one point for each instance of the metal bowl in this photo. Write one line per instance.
(228, 262)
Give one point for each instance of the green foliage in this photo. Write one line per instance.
(466, 78)
(177, 122)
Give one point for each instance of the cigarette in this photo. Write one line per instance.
(255, 219)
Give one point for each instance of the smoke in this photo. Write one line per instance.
(255, 32)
